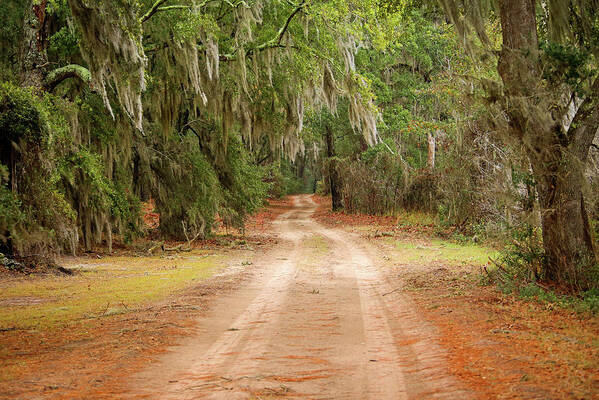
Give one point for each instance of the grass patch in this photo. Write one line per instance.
(101, 287)
(318, 243)
(443, 252)
(318, 248)
(411, 218)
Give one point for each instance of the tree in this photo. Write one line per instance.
(548, 103)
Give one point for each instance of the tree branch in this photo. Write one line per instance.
(157, 6)
(276, 41)
(284, 28)
(585, 123)
(58, 75)
(152, 11)
(272, 43)
(174, 7)
(264, 46)
(413, 68)
(266, 157)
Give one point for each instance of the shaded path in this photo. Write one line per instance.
(313, 323)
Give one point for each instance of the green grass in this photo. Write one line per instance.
(443, 252)
(101, 287)
(410, 218)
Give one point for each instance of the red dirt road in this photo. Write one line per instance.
(314, 322)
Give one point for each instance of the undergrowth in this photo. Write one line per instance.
(520, 269)
(411, 218)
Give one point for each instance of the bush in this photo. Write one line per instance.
(586, 302)
(523, 258)
(247, 191)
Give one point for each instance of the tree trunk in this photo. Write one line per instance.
(557, 157)
(567, 237)
(432, 146)
(108, 234)
(301, 166)
(334, 178)
(33, 48)
(32, 59)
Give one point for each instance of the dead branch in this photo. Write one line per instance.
(154, 247)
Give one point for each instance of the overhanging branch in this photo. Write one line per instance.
(284, 28)
(272, 43)
(152, 11)
(58, 75)
(157, 7)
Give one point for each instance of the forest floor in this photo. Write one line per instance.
(306, 304)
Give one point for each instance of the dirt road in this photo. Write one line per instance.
(317, 321)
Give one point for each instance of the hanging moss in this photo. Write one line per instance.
(111, 45)
(218, 85)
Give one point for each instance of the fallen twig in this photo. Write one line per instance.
(393, 291)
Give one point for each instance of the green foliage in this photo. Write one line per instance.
(566, 64)
(522, 259)
(248, 190)
(417, 96)
(53, 189)
(97, 167)
(587, 302)
(11, 15)
(192, 198)
(519, 269)
(20, 115)
(283, 179)
(276, 180)
(194, 195)
(522, 263)
(32, 142)
(63, 44)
